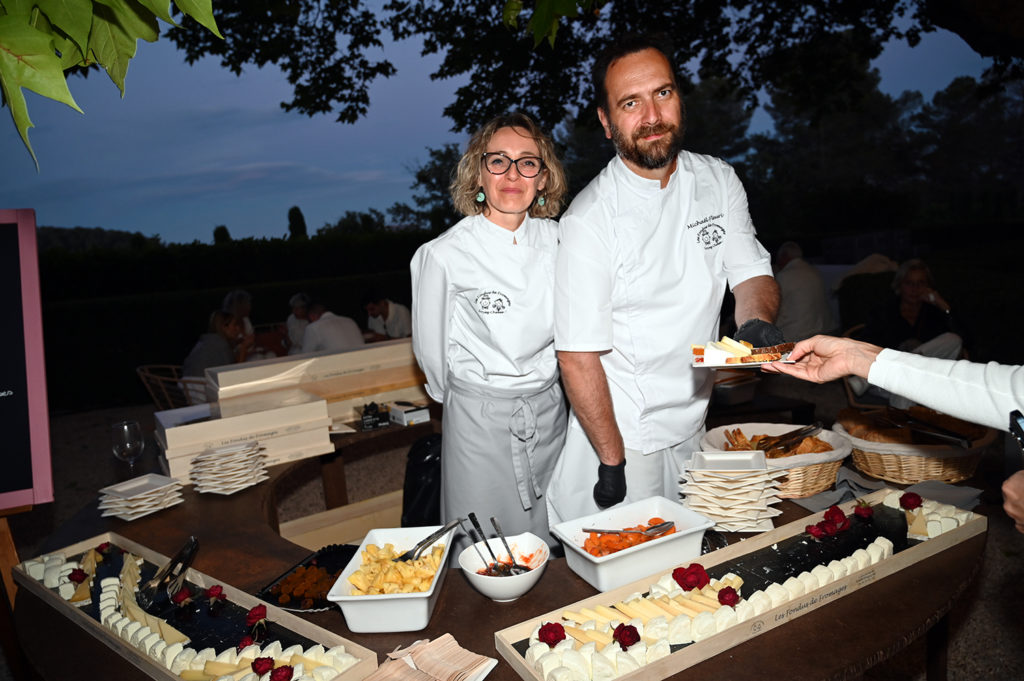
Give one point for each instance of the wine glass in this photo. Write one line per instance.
(128, 442)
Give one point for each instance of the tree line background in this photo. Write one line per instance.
(846, 170)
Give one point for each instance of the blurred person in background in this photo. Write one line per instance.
(330, 332)
(238, 304)
(385, 318)
(803, 307)
(214, 348)
(297, 322)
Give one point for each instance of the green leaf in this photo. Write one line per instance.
(201, 11)
(70, 54)
(510, 14)
(28, 60)
(110, 46)
(161, 8)
(73, 17)
(136, 20)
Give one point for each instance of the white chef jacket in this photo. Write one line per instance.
(482, 305)
(332, 333)
(397, 325)
(641, 272)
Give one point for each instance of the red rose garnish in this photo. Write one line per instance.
(728, 596)
(215, 593)
(828, 527)
(262, 665)
(551, 633)
(626, 635)
(863, 510)
(78, 575)
(256, 616)
(691, 577)
(910, 501)
(835, 515)
(104, 547)
(815, 531)
(244, 643)
(282, 673)
(183, 597)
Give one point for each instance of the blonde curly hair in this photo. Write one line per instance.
(466, 181)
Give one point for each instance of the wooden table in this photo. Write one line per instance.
(239, 544)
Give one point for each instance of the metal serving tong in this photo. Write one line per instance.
(172, 574)
(652, 531)
(901, 419)
(422, 545)
(788, 440)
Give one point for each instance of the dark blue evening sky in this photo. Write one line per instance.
(193, 147)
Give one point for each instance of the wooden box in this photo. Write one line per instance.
(367, 659)
(686, 656)
(381, 372)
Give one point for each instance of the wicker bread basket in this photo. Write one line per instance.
(806, 474)
(907, 464)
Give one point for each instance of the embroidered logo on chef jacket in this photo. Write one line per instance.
(710, 236)
(492, 302)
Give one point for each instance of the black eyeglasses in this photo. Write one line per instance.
(498, 163)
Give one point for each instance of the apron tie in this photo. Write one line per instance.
(522, 425)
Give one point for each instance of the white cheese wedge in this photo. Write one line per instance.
(129, 630)
(107, 613)
(716, 353)
(862, 557)
(934, 528)
(638, 651)
(838, 569)
(171, 652)
(546, 662)
(314, 652)
(343, 661)
(108, 582)
(761, 602)
(886, 544)
(658, 650)
(851, 564)
(587, 650)
(601, 667)
(809, 581)
(777, 593)
(274, 649)
(534, 652)
(566, 643)
(725, 617)
(35, 569)
(657, 627)
(118, 626)
(892, 500)
(735, 347)
(664, 586)
(874, 552)
(625, 663)
(253, 651)
(51, 576)
(298, 670)
(702, 626)
(201, 658)
(948, 523)
(560, 673)
(253, 676)
(679, 630)
(54, 560)
(744, 611)
(963, 517)
(324, 673)
(794, 587)
(575, 661)
(66, 590)
(156, 651)
(822, 574)
(146, 643)
(139, 634)
(182, 661)
(230, 655)
(929, 506)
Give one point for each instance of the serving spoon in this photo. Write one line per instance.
(516, 568)
(652, 531)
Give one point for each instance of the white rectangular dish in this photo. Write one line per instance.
(391, 612)
(611, 571)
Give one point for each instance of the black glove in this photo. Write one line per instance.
(759, 333)
(611, 484)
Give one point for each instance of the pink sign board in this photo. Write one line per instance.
(25, 474)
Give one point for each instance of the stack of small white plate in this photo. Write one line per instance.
(733, 489)
(229, 469)
(140, 496)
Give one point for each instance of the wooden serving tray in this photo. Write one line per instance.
(691, 654)
(367, 659)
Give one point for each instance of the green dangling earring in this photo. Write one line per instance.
(541, 200)
(480, 197)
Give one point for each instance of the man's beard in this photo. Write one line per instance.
(653, 155)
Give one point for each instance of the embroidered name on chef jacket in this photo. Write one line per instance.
(709, 234)
(492, 302)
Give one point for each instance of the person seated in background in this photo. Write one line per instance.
(916, 319)
(330, 332)
(238, 303)
(297, 322)
(213, 349)
(386, 318)
(804, 309)
(980, 393)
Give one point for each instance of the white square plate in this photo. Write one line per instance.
(143, 484)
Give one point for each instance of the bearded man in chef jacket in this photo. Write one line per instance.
(647, 250)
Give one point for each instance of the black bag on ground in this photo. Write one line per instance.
(421, 497)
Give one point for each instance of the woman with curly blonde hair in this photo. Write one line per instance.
(483, 327)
